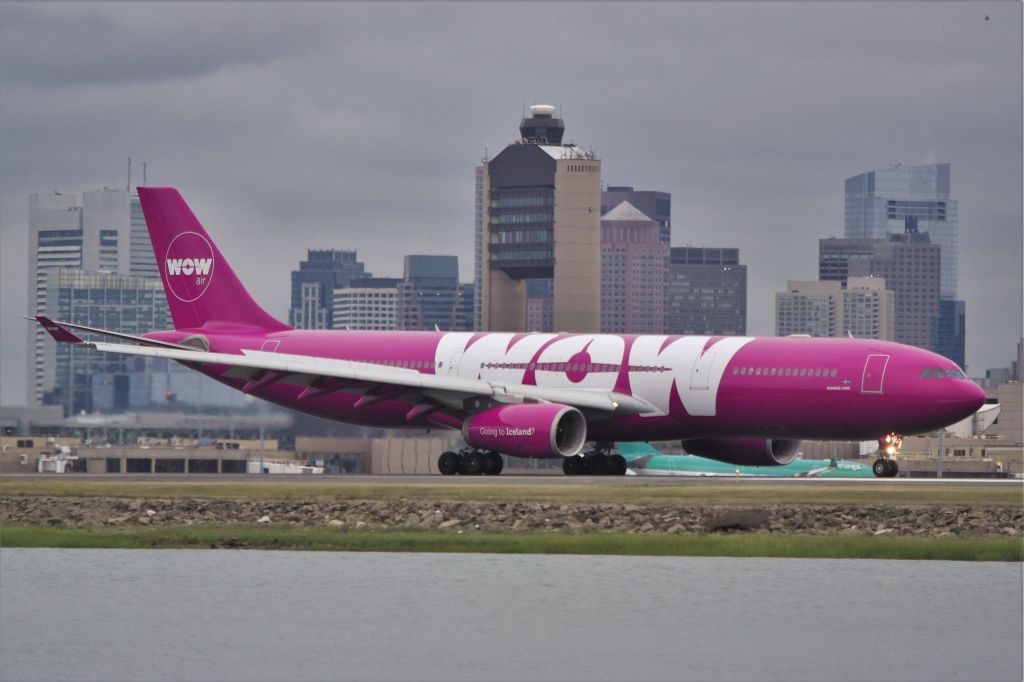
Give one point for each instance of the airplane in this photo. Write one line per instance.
(643, 459)
(740, 400)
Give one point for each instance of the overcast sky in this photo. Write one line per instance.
(347, 125)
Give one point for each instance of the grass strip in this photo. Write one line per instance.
(731, 492)
(562, 542)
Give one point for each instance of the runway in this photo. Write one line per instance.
(538, 480)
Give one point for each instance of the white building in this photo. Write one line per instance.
(865, 309)
(367, 307)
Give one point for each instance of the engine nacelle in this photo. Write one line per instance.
(744, 451)
(528, 430)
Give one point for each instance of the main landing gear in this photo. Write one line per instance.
(888, 447)
(470, 463)
(597, 462)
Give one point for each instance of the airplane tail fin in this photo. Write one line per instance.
(201, 287)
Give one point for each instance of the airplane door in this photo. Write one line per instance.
(874, 373)
(701, 371)
(453, 363)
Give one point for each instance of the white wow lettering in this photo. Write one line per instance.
(189, 266)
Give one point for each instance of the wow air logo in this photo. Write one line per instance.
(189, 266)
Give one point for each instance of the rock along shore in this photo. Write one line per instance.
(924, 521)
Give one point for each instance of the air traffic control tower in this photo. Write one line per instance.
(542, 219)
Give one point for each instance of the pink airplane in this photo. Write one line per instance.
(741, 400)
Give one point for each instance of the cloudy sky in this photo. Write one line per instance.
(349, 125)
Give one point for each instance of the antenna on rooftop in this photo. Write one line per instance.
(129, 188)
(144, 174)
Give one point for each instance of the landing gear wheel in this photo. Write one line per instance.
(473, 464)
(880, 468)
(448, 464)
(894, 468)
(572, 466)
(493, 464)
(617, 465)
(596, 464)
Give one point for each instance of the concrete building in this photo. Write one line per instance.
(656, 205)
(369, 303)
(865, 309)
(313, 285)
(869, 309)
(910, 265)
(881, 202)
(97, 231)
(814, 308)
(478, 245)
(541, 219)
(707, 292)
(834, 256)
(633, 271)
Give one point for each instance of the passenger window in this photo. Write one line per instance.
(817, 372)
(832, 373)
(773, 371)
(757, 371)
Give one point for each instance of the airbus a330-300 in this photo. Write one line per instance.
(742, 400)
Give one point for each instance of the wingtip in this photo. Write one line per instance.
(60, 334)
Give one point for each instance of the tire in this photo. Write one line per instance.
(572, 466)
(596, 465)
(493, 463)
(880, 468)
(894, 468)
(473, 464)
(448, 464)
(617, 465)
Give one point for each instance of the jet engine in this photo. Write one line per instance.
(744, 451)
(528, 430)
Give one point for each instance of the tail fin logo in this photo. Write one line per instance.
(188, 266)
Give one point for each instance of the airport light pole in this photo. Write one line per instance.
(942, 432)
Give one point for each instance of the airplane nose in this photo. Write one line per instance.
(974, 396)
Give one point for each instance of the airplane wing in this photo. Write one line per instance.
(59, 331)
(320, 375)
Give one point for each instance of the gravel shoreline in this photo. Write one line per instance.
(922, 521)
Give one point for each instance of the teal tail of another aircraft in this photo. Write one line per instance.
(643, 459)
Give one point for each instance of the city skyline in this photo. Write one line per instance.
(750, 116)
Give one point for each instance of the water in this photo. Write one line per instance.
(229, 615)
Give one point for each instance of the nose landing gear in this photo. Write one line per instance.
(888, 447)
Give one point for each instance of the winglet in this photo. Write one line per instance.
(60, 334)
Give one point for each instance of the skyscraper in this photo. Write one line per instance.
(541, 219)
(910, 264)
(656, 205)
(880, 202)
(313, 286)
(634, 261)
(97, 231)
(430, 295)
(707, 292)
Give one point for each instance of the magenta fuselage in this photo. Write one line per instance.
(694, 386)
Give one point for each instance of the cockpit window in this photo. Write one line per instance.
(939, 373)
